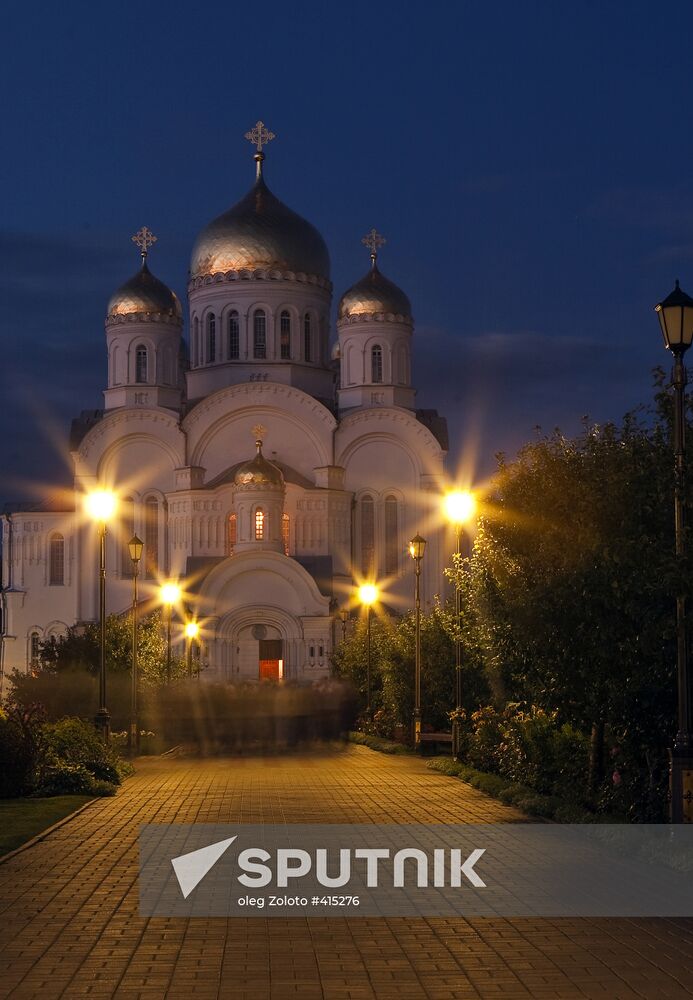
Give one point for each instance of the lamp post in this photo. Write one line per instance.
(135, 545)
(170, 595)
(344, 618)
(417, 547)
(368, 595)
(460, 506)
(192, 630)
(675, 314)
(101, 505)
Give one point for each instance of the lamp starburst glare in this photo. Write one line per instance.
(170, 593)
(100, 505)
(368, 593)
(460, 506)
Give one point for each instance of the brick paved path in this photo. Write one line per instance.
(69, 925)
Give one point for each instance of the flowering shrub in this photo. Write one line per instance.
(528, 747)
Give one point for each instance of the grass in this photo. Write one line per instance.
(22, 819)
(378, 743)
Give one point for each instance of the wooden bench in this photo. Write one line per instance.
(434, 739)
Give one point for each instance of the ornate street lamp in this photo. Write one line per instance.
(460, 507)
(417, 547)
(192, 631)
(170, 595)
(368, 595)
(676, 320)
(135, 546)
(101, 506)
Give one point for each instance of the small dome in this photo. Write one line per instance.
(374, 295)
(260, 232)
(258, 472)
(144, 294)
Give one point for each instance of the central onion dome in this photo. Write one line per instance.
(258, 472)
(260, 231)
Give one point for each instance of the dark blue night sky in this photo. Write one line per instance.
(531, 165)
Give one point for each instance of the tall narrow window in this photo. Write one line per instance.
(34, 650)
(285, 335)
(234, 337)
(307, 338)
(391, 536)
(196, 343)
(286, 525)
(56, 560)
(127, 530)
(233, 532)
(259, 334)
(151, 538)
(377, 364)
(141, 364)
(368, 538)
(259, 525)
(211, 338)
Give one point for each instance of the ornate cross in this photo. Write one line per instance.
(144, 239)
(374, 241)
(260, 135)
(258, 432)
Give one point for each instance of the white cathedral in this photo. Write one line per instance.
(265, 473)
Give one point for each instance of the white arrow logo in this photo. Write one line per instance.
(191, 868)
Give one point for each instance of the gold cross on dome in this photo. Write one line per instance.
(144, 238)
(259, 135)
(258, 432)
(374, 241)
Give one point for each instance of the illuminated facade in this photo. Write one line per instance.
(268, 548)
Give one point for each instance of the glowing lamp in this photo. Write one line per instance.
(460, 506)
(101, 505)
(417, 547)
(675, 315)
(368, 593)
(192, 630)
(170, 593)
(135, 545)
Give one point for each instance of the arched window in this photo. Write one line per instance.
(391, 536)
(56, 560)
(307, 338)
(285, 335)
(127, 530)
(196, 343)
(211, 338)
(141, 364)
(377, 363)
(233, 532)
(368, 538)
(34, 650)
(259, 525)
(234, 337)
(259, 334)
(151, 537)
(286, 526)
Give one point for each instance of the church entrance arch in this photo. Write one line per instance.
(260, 643)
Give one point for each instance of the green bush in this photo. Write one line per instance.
(63, 778)
(75, 743)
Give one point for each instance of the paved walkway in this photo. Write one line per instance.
(69, 925)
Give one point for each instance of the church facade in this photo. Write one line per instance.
(265, 472)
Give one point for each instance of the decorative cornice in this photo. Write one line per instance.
(374, 318)
(261, 392)
(258, 274)
(144, 317)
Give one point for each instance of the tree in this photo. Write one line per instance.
(569, 590)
